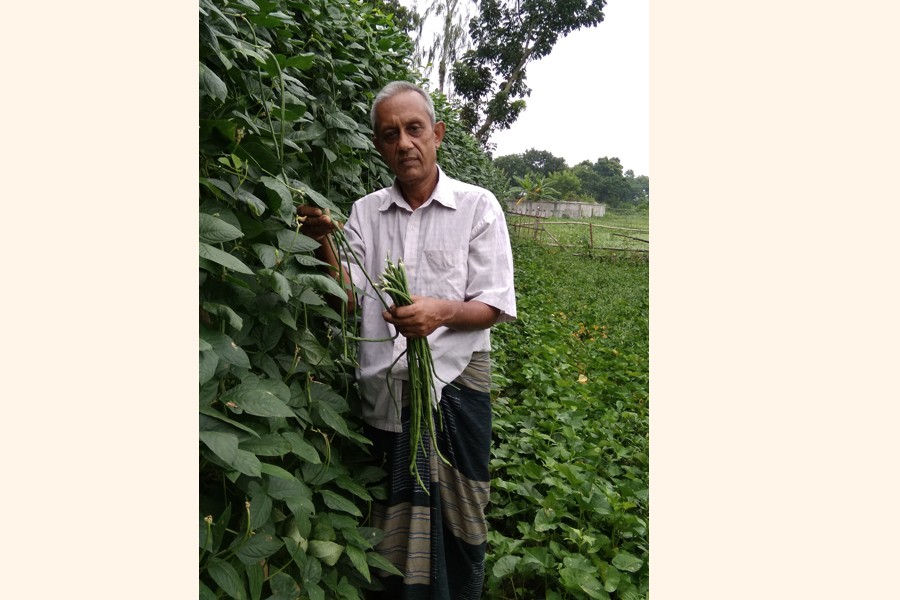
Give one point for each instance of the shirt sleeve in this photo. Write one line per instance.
(490, 262)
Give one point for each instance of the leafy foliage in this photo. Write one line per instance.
(569, 505)
(506, 36)
(601, 181)
(448, 40)
(461, 156)
(541, 162)
(533, 187)
(285, 88)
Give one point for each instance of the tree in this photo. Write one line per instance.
(640, 186)
(513, 165)
(543, 162)
(531, 161)
(531, 188)
(566, 184)
(604, 181)
(507, 35)
(448, 42)
(407, 20)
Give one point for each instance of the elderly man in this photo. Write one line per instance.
(453, 241)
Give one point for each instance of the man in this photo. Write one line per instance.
(453, 241)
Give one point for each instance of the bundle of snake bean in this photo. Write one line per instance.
(421, 372)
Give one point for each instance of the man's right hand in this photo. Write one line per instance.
(315, 223)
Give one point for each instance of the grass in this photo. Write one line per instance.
(569, 504)
(623, 230)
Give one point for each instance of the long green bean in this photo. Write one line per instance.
(420, 367)
(419, 360)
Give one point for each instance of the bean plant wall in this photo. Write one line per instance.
(285, 91)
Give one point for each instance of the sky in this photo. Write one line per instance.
(590, 96)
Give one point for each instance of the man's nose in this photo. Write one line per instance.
(405, 141)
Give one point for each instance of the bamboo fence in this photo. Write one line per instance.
(536, 227)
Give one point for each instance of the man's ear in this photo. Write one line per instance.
(439, 130)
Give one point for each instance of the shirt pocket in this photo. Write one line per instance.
(444, 275)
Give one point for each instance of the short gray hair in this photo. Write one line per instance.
(397, 87)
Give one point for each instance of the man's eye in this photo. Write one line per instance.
(390, 136)
(416, 130)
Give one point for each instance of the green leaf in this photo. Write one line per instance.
(209, 360)
(260, 508)
(576, 576)
(211, 412)
(223, 445)
(225, 348)
(255, 577)
(283, 488)
(293, 241)
(258, 547)
(257, 206)
(224, 312)
(206, 593)
(249, 4)
(625, 561)
(285, 317)
(332, 419)
(227, 578)
(301, 61)
(610, 576)
(280, 285)
(322, 283)
(358, 558)
(336, 502)
(218, 184)
(320, 392)
(276, 471)
(340, 121)
(284, 587)
(270, 444)
(353, 487)
(214, 230)
(314, 353)
(380, 562)
(545, 519)
(223, 258)
(211, 84)
(310, 261)
(301, 447)
(316, 592)
(269, 256)
(318, 199)
(327, 552)
(277, 186)
(247, 463)
(258, 401)
(505, 566)
(313, 131)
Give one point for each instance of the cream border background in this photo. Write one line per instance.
(773, 313)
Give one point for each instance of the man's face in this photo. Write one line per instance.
(406, 139)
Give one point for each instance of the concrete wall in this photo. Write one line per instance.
(567, 210)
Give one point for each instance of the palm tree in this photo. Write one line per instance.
(533, 187)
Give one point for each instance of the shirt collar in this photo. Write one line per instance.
(443, 193)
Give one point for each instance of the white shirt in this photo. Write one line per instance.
(456, 247)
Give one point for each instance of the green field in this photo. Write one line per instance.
(627, 231)
(569, 506)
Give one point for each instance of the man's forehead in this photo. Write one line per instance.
(402, 108)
